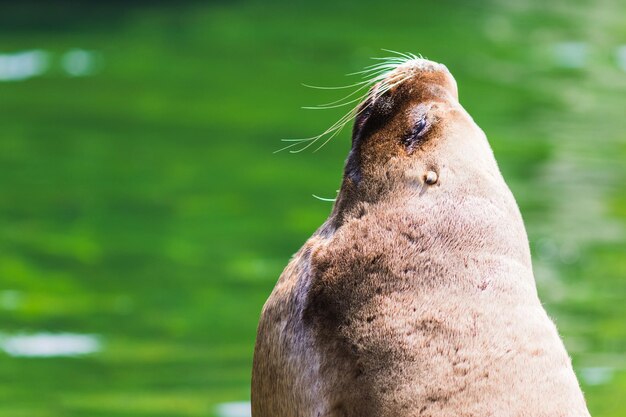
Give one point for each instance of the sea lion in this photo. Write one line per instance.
(416, 297)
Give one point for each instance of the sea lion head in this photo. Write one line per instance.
(411, 133)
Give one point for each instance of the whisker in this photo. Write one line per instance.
(375, 69)
(374, 74)
(386, 59)
(339, 124)
(331, 200)
(334, 130)
(408, 56)
(341, 99)
(335, 133)
(341, 87)
(324, 106)
(357, 113)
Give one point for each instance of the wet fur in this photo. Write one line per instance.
(414, 300)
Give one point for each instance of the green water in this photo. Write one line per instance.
(143, 203)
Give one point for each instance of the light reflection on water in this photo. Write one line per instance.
(234, 409)
(597, 375)
(80, 63)
(49, 344)
(24, 65)
(571, 54)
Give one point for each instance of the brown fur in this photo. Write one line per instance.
(414, 299)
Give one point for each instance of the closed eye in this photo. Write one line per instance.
(417, 131)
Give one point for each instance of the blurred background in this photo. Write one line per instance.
(145, 218)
